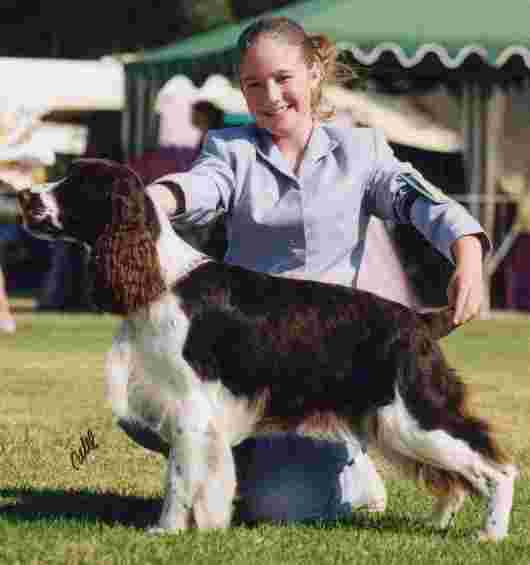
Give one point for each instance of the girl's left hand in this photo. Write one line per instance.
(465, 289)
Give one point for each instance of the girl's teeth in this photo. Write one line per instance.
(277, 111)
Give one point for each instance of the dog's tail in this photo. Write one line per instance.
(440, 322)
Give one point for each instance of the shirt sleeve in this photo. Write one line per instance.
(398, 192)
(208, 187)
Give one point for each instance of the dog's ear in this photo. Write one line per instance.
(88, 184)
(127, 273)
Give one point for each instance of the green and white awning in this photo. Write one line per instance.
(478, 35)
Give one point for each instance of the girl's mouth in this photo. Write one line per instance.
(271, 113)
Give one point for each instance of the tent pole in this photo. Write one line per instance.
(495, 113)
(483, 109)
(472, 124)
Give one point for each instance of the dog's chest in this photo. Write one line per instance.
(150, 381)
(157, 340)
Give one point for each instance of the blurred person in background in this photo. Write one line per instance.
(12, 175)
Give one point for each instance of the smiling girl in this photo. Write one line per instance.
(297, 192)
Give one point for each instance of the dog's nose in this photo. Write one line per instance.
(22, 203)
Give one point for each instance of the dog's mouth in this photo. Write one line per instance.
(34, 215)
(42, 229)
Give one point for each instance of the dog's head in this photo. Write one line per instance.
(103, 204)
(80, 206)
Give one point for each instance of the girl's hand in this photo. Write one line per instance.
(465, 289)
(163, 197)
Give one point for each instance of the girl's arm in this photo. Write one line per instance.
(465, 289)
(198, 195)
(399, 193)
(166, 196)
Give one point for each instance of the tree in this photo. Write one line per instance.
(245, 9)
(88, 30)
(202, 15)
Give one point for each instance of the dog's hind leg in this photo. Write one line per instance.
(450, 494)
(400, 432)
(447, 506)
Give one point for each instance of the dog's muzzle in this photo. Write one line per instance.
(33, 213)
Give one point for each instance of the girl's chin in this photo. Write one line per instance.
(277, 124)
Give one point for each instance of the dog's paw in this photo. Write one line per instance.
(157, 530)
(485, 536)
(163, 530)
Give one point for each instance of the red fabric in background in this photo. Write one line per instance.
(517, 274)
(164, 160)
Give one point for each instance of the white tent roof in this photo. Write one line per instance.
(400, 120)
(397, 116)
(62, 84)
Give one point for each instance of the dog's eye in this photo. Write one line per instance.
(44, 187)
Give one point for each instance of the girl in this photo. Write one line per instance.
(297, 192)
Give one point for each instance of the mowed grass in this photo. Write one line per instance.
(53, 393)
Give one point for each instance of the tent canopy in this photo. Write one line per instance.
(430, 37)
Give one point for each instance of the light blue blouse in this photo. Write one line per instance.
(313, 224)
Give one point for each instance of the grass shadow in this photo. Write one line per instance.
(30, 505)
(35, 504)
(397, 523)
(388, 523)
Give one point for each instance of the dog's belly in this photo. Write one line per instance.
(160, 412)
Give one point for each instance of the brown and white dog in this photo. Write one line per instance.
(210, 353)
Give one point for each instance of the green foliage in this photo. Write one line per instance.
(60, 29)
(245, 9)
(203, 15)
(50, 513)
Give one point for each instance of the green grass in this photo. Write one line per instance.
(53, 392)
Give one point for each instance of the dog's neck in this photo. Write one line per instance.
(177, 258)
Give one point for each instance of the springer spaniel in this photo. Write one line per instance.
(209, 354)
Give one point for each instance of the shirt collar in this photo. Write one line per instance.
(320, 144)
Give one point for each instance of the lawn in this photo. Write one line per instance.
(51, 512)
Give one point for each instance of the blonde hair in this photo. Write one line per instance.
(316, 50)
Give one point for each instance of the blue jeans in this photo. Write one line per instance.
(291, 478)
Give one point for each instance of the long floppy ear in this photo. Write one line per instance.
(127, 273)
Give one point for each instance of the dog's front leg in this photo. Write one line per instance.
(212, 504)
(189, 432)
(176, 506)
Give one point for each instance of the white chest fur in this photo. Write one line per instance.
(150, 382)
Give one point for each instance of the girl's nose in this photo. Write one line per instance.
(273, 91)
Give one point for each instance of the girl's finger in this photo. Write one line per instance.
(462, 298)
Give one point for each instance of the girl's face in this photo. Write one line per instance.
(277, 85)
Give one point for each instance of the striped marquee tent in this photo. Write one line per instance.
(481, 46)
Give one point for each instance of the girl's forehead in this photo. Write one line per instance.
(270, 54)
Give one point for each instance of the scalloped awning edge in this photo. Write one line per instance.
(451, 62)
